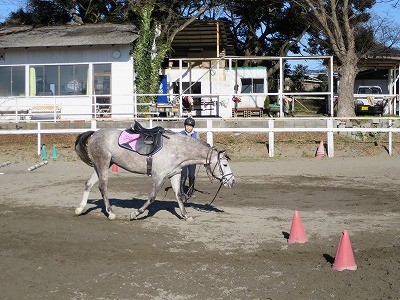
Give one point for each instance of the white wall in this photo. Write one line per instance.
(122, 89)
(220, 82)
(78, 107)
(65, 55)
(256, 73)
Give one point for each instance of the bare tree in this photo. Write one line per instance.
(336, 23)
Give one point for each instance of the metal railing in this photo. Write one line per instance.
(209, 105)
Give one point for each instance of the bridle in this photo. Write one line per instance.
(211, 172)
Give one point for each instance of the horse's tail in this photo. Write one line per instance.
(81, 147)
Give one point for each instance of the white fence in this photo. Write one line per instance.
(328, 128)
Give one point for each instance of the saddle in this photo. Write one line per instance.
(144, 141)
(150, 139)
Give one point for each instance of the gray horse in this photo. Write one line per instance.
(100, 149)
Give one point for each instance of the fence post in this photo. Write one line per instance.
(93, 124)
(39, 139)
(271, 136)
(210, 139)
(329, 133)
(55, 110)
(390, 137)
(16, 110)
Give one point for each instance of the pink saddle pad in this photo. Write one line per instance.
(128, 140)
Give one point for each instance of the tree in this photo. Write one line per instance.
(158, 23)
(37, 14)
(334, 25)
(265, 28)
(64, 11)
(298, 76)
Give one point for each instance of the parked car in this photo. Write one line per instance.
(373, 103)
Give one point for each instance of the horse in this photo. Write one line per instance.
(100, 149)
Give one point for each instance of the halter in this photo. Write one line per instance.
(225, 177)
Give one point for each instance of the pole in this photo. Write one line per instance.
(390, 138)
(271, 138)
(210, 139)
(329, 125)
(39, 138)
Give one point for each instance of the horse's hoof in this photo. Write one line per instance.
(78, 211)
(190, 219)
(111, 216)
(134, 214)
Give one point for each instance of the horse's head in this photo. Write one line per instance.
(217, 166)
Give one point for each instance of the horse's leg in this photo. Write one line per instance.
(156, 185)
(102, 172)
(88, 186)
(176, 182)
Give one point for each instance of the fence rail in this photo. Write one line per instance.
(329, 128)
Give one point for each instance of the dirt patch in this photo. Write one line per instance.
(235, 249)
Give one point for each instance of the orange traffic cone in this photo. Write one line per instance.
(297, 233)
(320, 151)
(114, 168)
(344, 259)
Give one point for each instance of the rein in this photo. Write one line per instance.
(220, 186)
(224, 178)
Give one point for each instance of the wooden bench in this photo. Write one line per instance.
(45, 112)
(247, 112)
(163, 110)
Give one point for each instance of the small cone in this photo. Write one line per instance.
(297, 233)
(43, 153)
(114, 168)
(320, 151)
(344, 259)
(54, 152)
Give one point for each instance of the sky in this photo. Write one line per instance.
(7, 6)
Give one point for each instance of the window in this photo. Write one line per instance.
(73, 80)
(252, 85)
(188, 88)
(12, 81)
(58, 80)
(102, 79)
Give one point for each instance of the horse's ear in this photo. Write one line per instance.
(226, 155)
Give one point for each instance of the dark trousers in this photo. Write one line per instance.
(189, 171)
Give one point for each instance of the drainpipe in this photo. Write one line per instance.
(217, 25)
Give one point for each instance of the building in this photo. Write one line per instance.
(77, 70)
(87, 71)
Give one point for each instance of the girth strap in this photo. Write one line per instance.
(149, 160)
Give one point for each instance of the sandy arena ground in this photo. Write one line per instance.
(235, 249)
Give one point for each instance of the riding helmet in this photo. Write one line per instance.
(190, 121)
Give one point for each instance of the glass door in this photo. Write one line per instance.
(102, 90)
